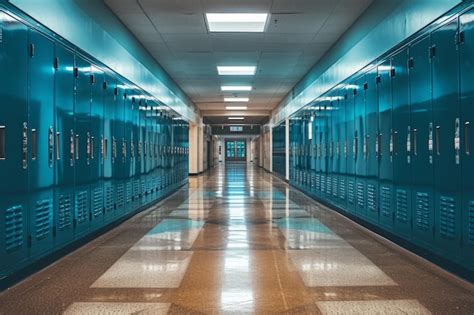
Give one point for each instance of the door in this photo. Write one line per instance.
(236, 150)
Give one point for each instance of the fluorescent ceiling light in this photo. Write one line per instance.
(236, 99)
(236, 118)
(236, 107)
(245, 70)
(236, 22)
(236, 88)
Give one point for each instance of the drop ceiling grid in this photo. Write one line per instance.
(176, 35)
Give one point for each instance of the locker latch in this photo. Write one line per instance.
(411, 63)
(31, 50)
(432, 51)
(56, 63)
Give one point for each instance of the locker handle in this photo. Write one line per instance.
(25, 146)
(88, 148)
(92, 147)
(415, 142)
(467, 142)
(58, 152)
(77, 147)
(2, 143)
(395, 144)
(50, 147)
(438, 130)
(102, 147)
(34, 144)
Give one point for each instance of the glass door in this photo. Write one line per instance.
(236, 150)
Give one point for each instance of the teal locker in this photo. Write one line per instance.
(372, 117)
(466, 39)
(94, 154)
(335, 150)
(401, 125)
(41, 151)
(64, 145)
(386, 139)
(360, 148)
(126, 145)
(82, 140)
(342, 149)
(14, 143)
(107, 147)
(134, 156)
(447, 124)
(423, 143)
(350, 148)
(117, 144)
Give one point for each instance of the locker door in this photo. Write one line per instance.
(342, 190)
(423, 133)
(360, 152)
(323, 148)
(117, 142)
(64, 146)
(329, 160)
(350, 148)
(126, 144)
(142, 154)
(467, 121)
(135, 155)
(95, 159)
(371, 105)
(41, 147)
(335, 131)
(447, 124)
(82, 138)
(107, 146)
(401, 126)
(14, 132)
(313, 153)
(319, 146)
(386, 138)
(304, 135)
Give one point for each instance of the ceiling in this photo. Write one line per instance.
(297, 35)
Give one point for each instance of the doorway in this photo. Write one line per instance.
(236, 150)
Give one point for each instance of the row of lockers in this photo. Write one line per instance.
(392, 145)
(278, 149)
(79, 146)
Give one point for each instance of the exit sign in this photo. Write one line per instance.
(236, 128)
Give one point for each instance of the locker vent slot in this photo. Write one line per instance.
(109, 198)
(350, 192)
(119, 196)
(97, 201)
(371, 198)
(342, 189)
(43, 218)
(2, 143)
(328, 185)
(143, 186)
(422, 205)
(385, 202)
(318, 182)
(470, 230)
(14, 228)
(128, 192)
(136, 188)
(64, 213)
(447, 221)
(401, 206)
(323, 183)
(81, 206)
(360, 195)
(334, 186)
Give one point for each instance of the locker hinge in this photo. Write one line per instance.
(103, 210)
(54, 231)
(56, 63)
(460, 38)
(31, 50)
(29, 240)
(411, 63)
(378, 79)
(392, 72)
(76, 72)
(366, 86)
(104, 85)
(432, 51)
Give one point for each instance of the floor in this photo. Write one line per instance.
(239, 240)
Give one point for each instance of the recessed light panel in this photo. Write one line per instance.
(236, 88)
(236, 118)
(236, 22)
(236, 70)
(236, 107)
(236, 99)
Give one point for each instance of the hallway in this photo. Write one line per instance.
(239, 240)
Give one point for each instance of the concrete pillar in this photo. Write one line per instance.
(196, 148)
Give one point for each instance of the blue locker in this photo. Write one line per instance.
(360, 148)
(134, 156)
(117, 144)
(82, 139)
(110, 96)
(335, 145)
(466, 40)
(342, 149)
(387, 138)
(41, 153)
(350, 148)
(14, 144)
(371, 106)
(64, 145)
(126, 145)
(401, 125)
(447, 124)
(94, 153)
(422, 129)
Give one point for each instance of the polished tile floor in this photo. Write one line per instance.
(238, 240)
